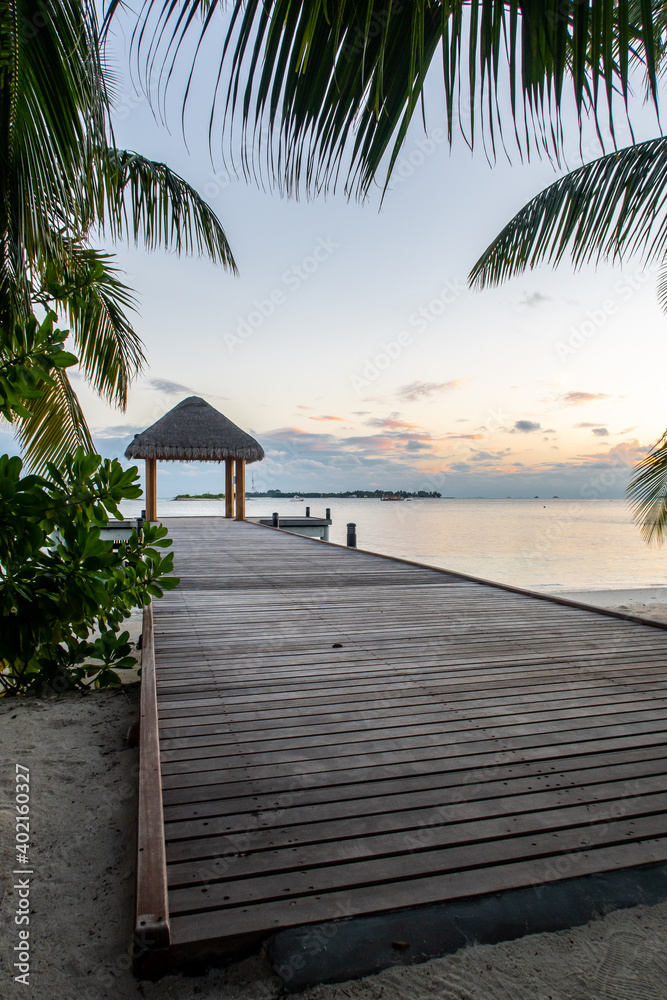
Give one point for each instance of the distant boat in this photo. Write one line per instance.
(391, 496)
(295, 497)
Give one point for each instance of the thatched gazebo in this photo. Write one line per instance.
(194, 431)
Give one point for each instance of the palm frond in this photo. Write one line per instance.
(56, 107)
(333, 86)
(88, 288)
(648, 493)
(611, 207)
(57, 426)
(662, 285)
(139, 199)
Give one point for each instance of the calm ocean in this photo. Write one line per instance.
(551, 545)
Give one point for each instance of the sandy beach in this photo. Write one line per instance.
(83, 778)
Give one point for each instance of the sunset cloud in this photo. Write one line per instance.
(327, 418)
(391, 423)
(463, 437)
(579, 398)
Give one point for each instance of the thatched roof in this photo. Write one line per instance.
(194, 431)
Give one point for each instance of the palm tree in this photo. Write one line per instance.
(62, 182)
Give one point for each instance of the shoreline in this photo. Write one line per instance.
(645, 602)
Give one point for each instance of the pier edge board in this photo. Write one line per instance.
(152, 926)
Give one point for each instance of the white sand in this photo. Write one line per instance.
(649, 602)
(83, 819)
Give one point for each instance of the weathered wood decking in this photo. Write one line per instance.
(344, 734)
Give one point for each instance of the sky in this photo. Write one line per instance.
(351, 346)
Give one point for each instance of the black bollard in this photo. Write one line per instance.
(307, 511)
(352, 535)
(275, 520)
(327, 513)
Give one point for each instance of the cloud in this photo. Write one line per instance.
(166, 385)
(391, 423)
(360, 413)
(621, 457)
(327, 418)
(526, 426)
(583, 425)
(120, 431)
(300, 407)
(579, 398)
(422, 390)
(601, 431)
(532, 299)
(299, 460)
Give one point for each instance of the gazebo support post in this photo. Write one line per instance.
(240, 489)
(151, 489)
(229, 487)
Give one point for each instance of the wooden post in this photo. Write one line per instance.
(240, 489)
(229, 487)
(151, 489)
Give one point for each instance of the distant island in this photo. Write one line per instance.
(348, 495)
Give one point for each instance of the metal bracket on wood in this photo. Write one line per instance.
(151, 930)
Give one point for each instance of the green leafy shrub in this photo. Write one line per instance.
(28, 353)
(60, 582)
(64, 591)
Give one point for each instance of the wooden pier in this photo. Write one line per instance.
(343, 734)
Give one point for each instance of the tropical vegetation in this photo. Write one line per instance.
(64, 590)
(332, 87)
(63, 185)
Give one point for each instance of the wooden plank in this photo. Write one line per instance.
(419, 811)
(388, 833)
(234, 889)
(209, 925)
(377, 796)
(398, 738)
(152, 929)
(218, 727)
(458, 742)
